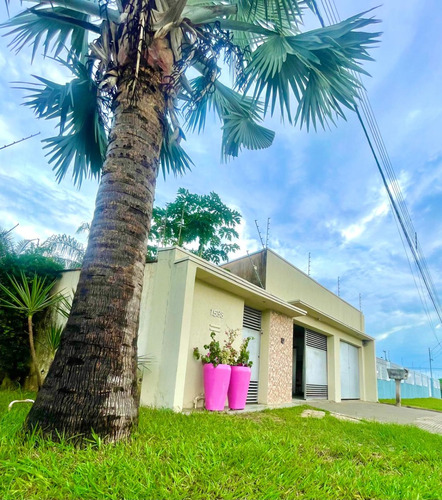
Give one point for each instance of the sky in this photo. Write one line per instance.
(321, 190)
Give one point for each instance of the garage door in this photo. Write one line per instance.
(349, 371)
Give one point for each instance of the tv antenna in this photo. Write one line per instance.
(259, 234)
(267, 234)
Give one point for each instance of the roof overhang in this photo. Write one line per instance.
(329, 320)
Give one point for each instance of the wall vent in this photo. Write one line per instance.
(316, 340)
(252, 319)
(316, 391)
(252, 394)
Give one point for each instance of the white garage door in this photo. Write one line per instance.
(349, 371)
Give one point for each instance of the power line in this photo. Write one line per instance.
(20, 140)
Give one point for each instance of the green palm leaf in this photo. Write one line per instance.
(280, 12)
(241, 131)
(314, 67)
(54, 28)
(173, 158)
(240, 116)
(65, 247)
(82, 141)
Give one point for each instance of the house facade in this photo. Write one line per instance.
(307, 342)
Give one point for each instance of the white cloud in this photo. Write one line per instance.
(353, 231)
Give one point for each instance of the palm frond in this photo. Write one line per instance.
(282, 13)
(315, 67)
(65, 247)
(84, 227)
(89, 7)
(82, 141)
(173, 158)
(209, 13)
(241, 131)
(6, 242)
(240, 116)
(53, 28)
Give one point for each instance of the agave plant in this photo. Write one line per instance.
(145, 72)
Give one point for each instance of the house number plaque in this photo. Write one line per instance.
(216, 313)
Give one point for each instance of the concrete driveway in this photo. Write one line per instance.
(430, 421)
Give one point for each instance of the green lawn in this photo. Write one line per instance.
(267, 455)
(426, 403)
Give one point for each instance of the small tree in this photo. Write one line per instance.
(29, 299)
(203, 222)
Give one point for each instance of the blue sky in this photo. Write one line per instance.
(321, 190)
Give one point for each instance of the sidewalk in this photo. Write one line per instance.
(428, 420)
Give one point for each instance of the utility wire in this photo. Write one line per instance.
(388, 176)
(20, 140)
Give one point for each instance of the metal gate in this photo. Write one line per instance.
(252, 328)
(315, 366)
(349, 371)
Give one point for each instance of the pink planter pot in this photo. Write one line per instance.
(239, 385)
(216, 384)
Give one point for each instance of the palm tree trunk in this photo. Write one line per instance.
(32, 349)
(92, 381)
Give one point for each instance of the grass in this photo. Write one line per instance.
(426, 403)
(267, 455)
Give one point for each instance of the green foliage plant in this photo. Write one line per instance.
(53, 337)
(215, 354)
(201, 223)
(30, 298)
(229, 346)
(14, 344)
(227, 354)
(243, 358)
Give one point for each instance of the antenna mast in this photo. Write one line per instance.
(259, 234)
(267, 235)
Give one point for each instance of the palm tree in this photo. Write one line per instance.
(61, 248)
(124, 116)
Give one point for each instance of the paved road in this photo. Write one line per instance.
(425, 419)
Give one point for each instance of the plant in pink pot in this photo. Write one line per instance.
(240, 377)
(216, 373)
